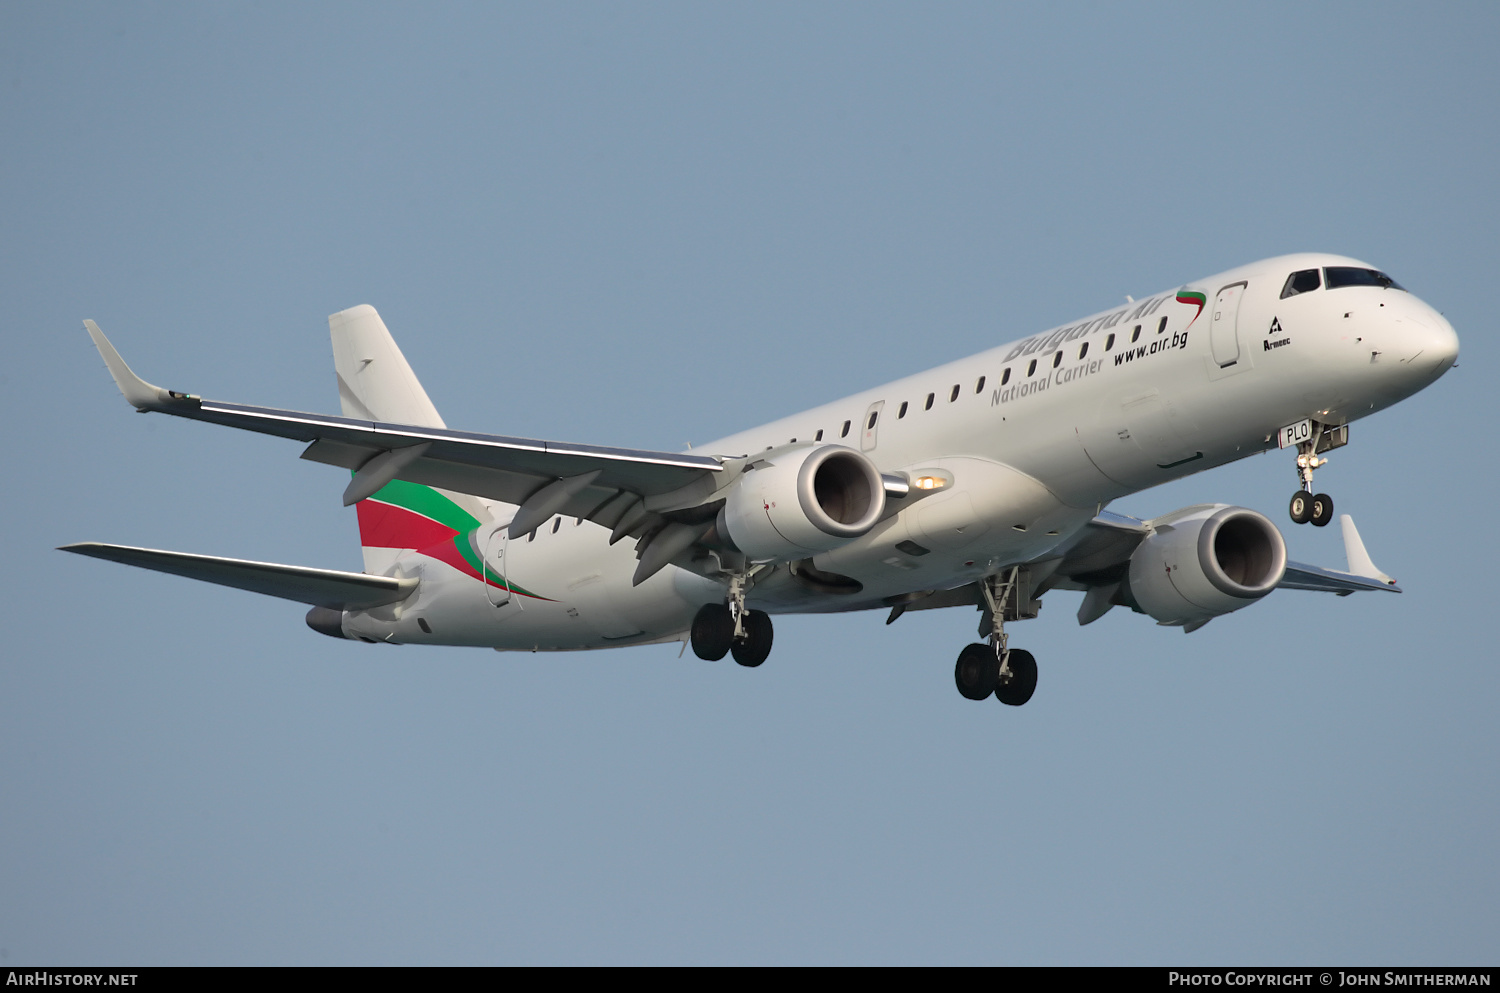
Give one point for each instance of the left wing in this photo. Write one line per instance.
(622, 489)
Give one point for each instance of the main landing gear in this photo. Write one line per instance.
(996, 669)
(1307, 507)
(720, 629)
(981, 673)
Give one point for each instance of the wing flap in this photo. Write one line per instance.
(496, 467)
(356, 442)
(491, 466)
(1098, 554)
(319, 587)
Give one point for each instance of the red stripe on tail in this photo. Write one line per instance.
(382, 525)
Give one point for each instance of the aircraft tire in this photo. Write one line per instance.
(1023, 679)
(712, 632)
(756, 646)
(1301, 507)
(976, 671)
(1322, 510)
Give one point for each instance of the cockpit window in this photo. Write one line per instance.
(1301, 282)
(1350, 276)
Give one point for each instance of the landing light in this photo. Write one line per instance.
(930, 482)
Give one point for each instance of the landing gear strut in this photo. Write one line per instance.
(1009, 674)
(721, 628)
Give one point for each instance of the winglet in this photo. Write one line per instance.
(1354, 552)
(141, 394)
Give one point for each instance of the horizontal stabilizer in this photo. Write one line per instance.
(319, 587)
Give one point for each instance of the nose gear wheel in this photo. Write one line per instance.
(1307, 508)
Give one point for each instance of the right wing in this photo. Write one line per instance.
(1099, 557)
(1362, 574)
(319, 587)
(622, 489)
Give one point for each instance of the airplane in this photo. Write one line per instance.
(981, 483)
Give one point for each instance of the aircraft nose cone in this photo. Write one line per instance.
(1443, 346)
(1431, 345)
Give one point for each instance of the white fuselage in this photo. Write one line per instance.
(1036, 436)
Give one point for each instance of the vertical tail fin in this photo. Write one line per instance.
(376, 383)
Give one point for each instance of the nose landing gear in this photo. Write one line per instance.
(1307, 507)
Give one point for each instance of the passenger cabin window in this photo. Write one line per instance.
(1109, 342)
(1304, 281)
(1031, 368)
(1342, 275)
(1161, 325)
(1136, 334)
(979, 386)
(930, 398)
(1005, 376)
(954, 395)
(873, 414)
(1083, 350)
(556, 524)
(845, 433)
(902, 412)
(1057, 359)
(819, 435)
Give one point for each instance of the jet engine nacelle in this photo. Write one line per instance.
(326, 620)
(1201, 562)
(798, 501)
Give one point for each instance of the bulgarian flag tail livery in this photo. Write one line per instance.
(403, 516)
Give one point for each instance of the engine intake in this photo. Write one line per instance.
(1207, 562)
(802, 500)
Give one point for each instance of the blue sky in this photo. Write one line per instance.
(649, 225)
